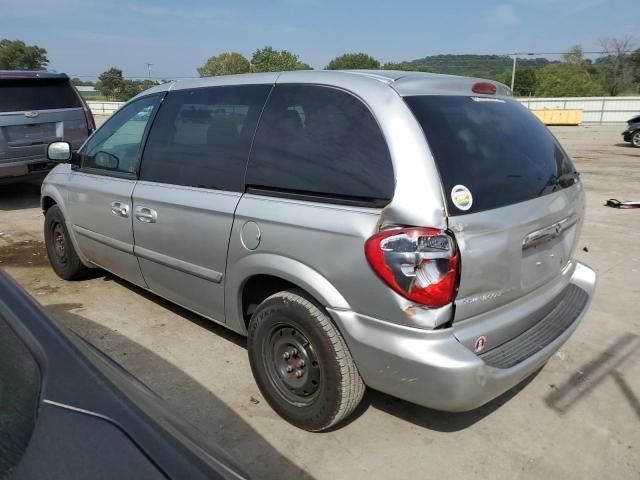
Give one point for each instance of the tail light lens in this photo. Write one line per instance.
(421, 264)
(91, 123)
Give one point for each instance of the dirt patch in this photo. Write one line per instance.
(23, 253)
(45, 289)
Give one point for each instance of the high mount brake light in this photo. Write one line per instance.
(485, 88)
(421, 264)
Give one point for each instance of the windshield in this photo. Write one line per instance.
(493, 151)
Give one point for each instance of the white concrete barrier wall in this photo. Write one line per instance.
(594, 109)
(104, 108)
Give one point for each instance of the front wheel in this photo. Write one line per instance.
(635, 139)
(301, 362)
(62, 255)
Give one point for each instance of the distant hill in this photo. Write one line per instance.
(485, 66)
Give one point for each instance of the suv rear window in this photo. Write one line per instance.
(18, 95)
(494, 147)
(323, 144)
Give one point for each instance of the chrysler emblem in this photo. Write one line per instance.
(31, 114)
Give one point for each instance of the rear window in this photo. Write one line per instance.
(18, 95)
(322, 143)
(492, 151)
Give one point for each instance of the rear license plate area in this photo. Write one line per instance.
(30, 134)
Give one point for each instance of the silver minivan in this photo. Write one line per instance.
(409, 232)
(37, 108)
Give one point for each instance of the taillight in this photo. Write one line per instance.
(91, 122)
(421, 264)
(484, 87)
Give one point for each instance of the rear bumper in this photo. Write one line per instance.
(432, 368)
(29, 168)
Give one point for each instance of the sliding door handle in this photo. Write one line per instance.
(146, 215)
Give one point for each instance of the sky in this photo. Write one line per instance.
(85, 37)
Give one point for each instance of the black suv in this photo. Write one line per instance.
(37, 108)
(632, 133)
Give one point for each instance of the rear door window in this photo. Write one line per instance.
(201, 137)
(494, 147)
(18, 95)
(323, 142)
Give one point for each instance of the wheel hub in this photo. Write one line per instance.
(294, 362)
(59, 243)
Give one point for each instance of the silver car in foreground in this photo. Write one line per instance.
(405, 231)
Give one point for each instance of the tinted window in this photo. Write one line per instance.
(494, 147)
(321, 141)
(201, 137)
(115, 146)
(37, 94)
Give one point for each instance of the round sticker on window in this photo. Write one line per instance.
(461, 197)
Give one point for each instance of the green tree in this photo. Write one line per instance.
(616, 67)
(16, 55)
(269, 60)
(353, 61)
(634, 59)
(525, 84)
(406, 66)
(227, 63)
(111, 83)
(572, 78)
(81, 83)
(131, 88)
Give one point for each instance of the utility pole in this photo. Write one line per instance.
(513, 72)
(149, 69)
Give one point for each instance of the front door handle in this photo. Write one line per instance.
(146, 215)
(120, 209)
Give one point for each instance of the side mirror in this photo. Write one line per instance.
(106, 160)
(59, 152)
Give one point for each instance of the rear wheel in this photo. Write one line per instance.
(635, 139)
(301, 362)
(60, 250)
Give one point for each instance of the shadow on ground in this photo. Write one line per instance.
(590, 375)
(436, 420)
(18, 196)
(184, 394)
(417, 415)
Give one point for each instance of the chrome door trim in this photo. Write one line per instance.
(549, 232)
(108, 241)
(181, 265)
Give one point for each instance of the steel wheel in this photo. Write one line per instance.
(292, 364)
(59, 242)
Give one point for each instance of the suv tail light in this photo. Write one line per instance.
(91, 123)
(421, 264)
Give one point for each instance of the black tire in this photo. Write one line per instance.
(329, 387)
(62, 255)
(635, 139)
